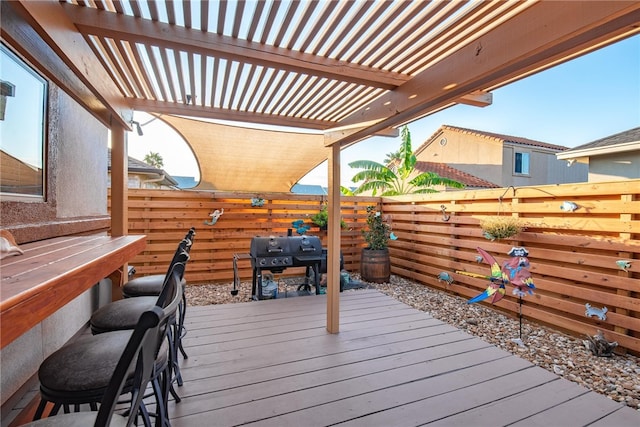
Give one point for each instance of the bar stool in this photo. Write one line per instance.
(139, 354)
(81, 371)
(151, 285)
(121, 314)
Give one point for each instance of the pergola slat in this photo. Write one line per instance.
(273, 11)
(366, 45)
(143, 72)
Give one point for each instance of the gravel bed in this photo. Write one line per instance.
(617, 377)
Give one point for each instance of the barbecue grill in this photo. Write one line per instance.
(277, 253)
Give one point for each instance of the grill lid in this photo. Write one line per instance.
(269, 246)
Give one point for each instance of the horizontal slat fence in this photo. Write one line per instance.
(165, 216)
(573, 254)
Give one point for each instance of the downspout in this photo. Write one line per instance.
(145, 181)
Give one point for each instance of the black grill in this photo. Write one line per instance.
(276, 253)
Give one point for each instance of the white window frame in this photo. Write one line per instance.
(524, 155)
(27, 110)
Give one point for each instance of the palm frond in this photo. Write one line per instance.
(430, 179)
(345, 191)
(373, 185)
(425, 191)
(394, 179)
(367, 165)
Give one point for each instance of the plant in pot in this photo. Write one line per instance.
(500, 227)
(321, 218)
(375, 265)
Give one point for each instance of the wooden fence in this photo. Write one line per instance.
(574, 255)
(164, 216)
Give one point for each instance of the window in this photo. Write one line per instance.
(521, 163)
(22, 125)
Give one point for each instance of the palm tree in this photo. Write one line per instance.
(154, 159)
(392, 157)
(398, 177)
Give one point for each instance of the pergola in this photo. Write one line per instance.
(333, 72)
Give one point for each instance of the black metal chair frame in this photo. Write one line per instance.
(182, 310)
(160, 377)
(178, 333)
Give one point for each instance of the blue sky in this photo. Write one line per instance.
(571, 104)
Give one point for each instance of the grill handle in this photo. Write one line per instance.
(270, 250)
(311, 249)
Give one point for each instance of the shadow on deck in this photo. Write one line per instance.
(272, 363)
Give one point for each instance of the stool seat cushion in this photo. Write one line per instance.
(83, 368)
(120, 315)
(143, 286)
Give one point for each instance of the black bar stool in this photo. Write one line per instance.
(151, 285)
(120, 315)
(83, 371)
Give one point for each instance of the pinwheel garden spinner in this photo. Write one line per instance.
(514, 271)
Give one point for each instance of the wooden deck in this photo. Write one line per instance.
(272, 363)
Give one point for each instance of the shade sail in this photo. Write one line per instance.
(236, 158)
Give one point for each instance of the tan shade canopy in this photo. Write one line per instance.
(235, 158)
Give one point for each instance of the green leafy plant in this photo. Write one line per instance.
(501, 227)
(321, 218)
(377, 232)
(399, 176)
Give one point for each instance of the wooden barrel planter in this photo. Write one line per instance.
(375, 265)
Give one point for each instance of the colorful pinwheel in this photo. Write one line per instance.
(514, 271)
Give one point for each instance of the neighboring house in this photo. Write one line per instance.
(310, 189)
(446, 171)
(142, 175)
(185, 181)
(17, 174)
(503, 160)
(610, 158)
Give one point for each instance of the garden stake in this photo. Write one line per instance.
(519, 339)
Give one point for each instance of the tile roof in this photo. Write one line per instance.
(138, 166)
(627, 136)
(504, 138)
(447, 171)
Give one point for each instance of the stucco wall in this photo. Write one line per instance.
(612, 167)
(82, 154)
(491, 159)
(544, 167)
(76, 187)
(75, 177)
(20, 360)
(469, 153)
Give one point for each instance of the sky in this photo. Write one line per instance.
(574, 103)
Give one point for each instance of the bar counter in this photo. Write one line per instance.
(53, 272)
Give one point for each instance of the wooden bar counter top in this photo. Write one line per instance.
(53, 272)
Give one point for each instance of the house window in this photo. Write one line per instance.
(22, 126)
(521, 163)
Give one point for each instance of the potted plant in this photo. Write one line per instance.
(375, 265)
(500, 227)
(321, 218)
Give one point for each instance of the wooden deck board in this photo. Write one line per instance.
(272, 363)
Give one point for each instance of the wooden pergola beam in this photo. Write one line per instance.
(228, 114)
(117, 26)
(52, 24)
